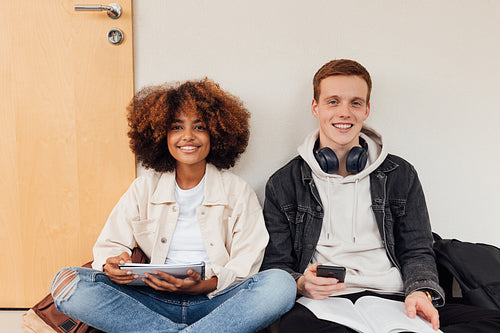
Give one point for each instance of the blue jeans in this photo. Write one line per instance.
(247, 306)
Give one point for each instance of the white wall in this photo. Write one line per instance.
(435, 67)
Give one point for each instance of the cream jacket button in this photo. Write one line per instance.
(163, 240)
(174, 209)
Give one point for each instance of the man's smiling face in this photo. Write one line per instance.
(341, 110)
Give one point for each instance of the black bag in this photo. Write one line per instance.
(43, 317)
(474, 266)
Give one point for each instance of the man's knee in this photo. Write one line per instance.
(301, 319)
(64, 284)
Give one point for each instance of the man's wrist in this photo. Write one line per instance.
(431, 295)
(300, 285)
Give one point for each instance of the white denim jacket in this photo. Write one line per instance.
(230, 217)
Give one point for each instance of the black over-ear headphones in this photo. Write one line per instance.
(329, 163)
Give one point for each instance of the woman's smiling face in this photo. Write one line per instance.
(188, 139)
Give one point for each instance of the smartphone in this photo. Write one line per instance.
(336, 272)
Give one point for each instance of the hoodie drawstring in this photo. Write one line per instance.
(330, 226)
(355, 211)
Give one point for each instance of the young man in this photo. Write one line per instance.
(345, 201)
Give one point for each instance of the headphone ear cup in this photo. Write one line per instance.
(327, 160)
(356, 160)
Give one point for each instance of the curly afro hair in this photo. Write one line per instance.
(153, 109)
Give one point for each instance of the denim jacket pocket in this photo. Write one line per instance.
(294, 215)
(398, 207)
(378, 205)
(296, 220)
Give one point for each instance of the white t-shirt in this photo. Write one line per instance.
(187, 242)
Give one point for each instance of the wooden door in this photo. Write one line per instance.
(64, 156)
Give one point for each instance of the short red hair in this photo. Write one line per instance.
(341, 67)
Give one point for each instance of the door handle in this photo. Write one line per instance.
(114, 10)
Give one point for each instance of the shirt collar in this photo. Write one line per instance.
(215, 193)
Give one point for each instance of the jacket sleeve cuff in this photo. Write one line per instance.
(437, 293)
(225, 278)
(98, 265)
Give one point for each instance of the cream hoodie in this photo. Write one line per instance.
(349, 234)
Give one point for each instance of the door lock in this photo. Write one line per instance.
(115, 36)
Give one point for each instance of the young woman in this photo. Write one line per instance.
(187, 209)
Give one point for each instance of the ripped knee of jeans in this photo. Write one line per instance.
(64, 284)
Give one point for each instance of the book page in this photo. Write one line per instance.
(390, 316)
(338, 310)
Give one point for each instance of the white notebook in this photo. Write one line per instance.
(177, 270)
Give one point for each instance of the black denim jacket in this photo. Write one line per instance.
(294, 213)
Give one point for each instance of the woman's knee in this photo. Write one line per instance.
(69, 281)
(64, 284)
(280, 285)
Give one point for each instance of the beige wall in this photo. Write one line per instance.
(435, 67)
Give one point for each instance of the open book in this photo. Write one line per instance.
(370, 314)
(177, 270)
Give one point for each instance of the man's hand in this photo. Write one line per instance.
(316, 287)
(417, 303)
(192, 285)
(116, 274)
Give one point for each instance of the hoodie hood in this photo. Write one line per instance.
(377, 153)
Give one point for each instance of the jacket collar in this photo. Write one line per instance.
(215, 193)
(388, 165)
(305, 171)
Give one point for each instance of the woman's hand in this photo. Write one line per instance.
(192, 285)
(316, 287)
(417, 303)
(116, 274)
